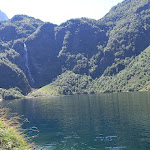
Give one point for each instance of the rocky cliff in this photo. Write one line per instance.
(86, 47)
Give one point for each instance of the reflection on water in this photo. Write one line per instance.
(85, 122)
(116, 148)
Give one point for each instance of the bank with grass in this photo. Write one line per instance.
(11, 135)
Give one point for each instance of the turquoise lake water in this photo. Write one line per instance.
(119, 121)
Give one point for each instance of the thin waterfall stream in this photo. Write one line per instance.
(27, 64)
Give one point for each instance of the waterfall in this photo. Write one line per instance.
(27, 64)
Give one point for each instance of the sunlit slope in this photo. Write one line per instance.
(135, 76)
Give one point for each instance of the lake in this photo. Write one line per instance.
(119, 121)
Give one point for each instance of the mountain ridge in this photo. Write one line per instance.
(79, 48)
(3, 16)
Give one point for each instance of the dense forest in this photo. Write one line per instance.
(79, 56)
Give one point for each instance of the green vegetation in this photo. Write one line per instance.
(45, 65)
(130, 74)
(11, 137)
(10, 75)
(128, 28)
(11, 94)
(135, 76)
(79, 56)
(67, 83)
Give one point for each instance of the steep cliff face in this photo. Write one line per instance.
(82, 46)
(129, 28)
(43, 53)
(135, 76)
(82, 40)
(12, 56)
(10, 75)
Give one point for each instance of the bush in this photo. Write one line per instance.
(11, 94)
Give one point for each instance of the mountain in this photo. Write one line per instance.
(10, 75)
(134, 77)
(12, 53)
(3, 16)
(81, 55)
(128, 28)
(68, 83)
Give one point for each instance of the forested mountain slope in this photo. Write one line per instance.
(83, 50)
(135, 76)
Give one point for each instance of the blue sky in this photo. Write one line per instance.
(58, 11)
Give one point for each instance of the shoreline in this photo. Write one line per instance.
(41, 95)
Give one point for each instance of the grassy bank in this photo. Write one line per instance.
(11, 137)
